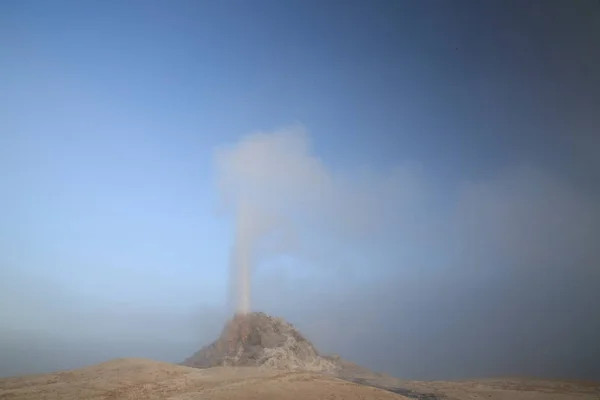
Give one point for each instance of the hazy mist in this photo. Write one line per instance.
(498, 276)
(414, 185)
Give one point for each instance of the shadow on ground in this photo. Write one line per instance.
(398, 390)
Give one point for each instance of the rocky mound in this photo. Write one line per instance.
(259, 340)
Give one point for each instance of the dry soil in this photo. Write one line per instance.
(146, 379)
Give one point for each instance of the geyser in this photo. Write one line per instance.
(242, 259)
(266, 181)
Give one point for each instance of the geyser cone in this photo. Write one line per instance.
(256, 339)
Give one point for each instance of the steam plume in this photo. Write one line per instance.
(243, 250)
(266, 181)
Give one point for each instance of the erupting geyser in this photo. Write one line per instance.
(243, 291)
(242, 258)
(265, 182)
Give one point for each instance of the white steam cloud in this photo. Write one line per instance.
(266, 180)
(286, 201)
(390, 254)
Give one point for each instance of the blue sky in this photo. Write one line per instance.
(462, 128)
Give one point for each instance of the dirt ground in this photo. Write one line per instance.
(491, 389)
(146, 379)
(517, 389)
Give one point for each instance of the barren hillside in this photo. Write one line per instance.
(146, 379)
(262, 357)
